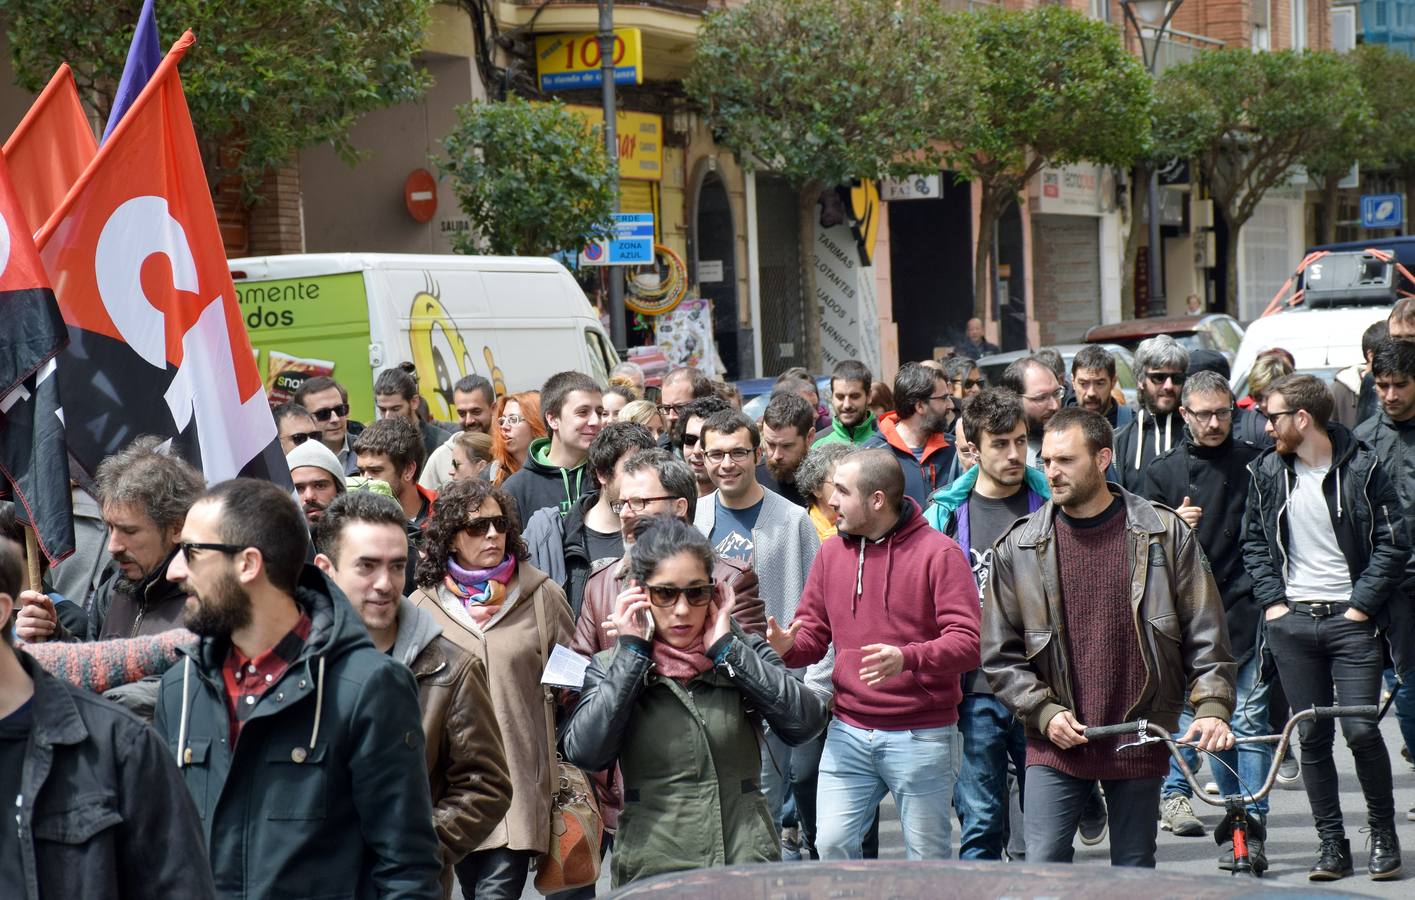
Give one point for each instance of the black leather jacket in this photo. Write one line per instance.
(1370, 528)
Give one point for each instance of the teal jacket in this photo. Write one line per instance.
(945, 501)
(840, 433)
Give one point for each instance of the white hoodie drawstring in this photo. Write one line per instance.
(1140, 435)
(318, 703)
(1338, 492)
(186, 707)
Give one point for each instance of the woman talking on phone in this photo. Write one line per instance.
(678, 704)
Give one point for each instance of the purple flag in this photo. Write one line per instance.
(143, 58)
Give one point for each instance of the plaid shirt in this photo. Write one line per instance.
(247, 679)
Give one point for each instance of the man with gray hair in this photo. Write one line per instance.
(1205, 480)
(144, 493)
(1161, 364)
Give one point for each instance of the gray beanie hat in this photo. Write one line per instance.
(314, 453)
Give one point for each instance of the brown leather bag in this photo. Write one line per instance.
(572, 858)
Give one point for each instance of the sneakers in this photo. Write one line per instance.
(1094, 818)
(1384, 863)
(1290, 770)
(791, 843)
(1333, 861)
(1177, 815)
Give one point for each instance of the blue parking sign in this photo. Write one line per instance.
(1382, 210)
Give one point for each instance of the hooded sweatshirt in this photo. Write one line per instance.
(840, 433)
(913, 589)
(923, 474)
(541, 483)
(1150, 435)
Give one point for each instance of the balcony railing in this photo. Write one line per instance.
(1177, 47)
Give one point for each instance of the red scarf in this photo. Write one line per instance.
(681, 665)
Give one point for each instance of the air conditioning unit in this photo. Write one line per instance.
(1201, 213)
(1205, 250)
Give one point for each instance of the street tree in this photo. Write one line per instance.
(1388, 82)
(1022, 104)
(267, 77)
(1247, 119)
(823, 92)
(533, 178)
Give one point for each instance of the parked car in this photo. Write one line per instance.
(993, 366)
(1318, 339)
(757, 391)
(1209, 331)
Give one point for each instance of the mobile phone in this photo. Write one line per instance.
(648, 624)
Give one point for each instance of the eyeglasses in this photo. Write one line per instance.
(479, 527)
(942, 397)
(970, 383)
(671, 409)
(637, 504)
(665, 596)
(1056, 395)
(1273, 414)
(1159, 378)
(322, 415)
(189, 548)
(510, 421)
(738, 454)
(299, 437)
(1204, 415)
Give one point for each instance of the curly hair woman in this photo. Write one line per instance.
(473, 579)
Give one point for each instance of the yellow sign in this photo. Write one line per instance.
(568, 61)
(864, 216)
(640, 138)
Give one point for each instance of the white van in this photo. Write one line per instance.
(515, 320)
(1322, 341)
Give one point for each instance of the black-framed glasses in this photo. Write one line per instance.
(1274, 414)
(674, 409)
(188, 548)
(1203, 415)
(299, 437)
(738, 454)
(339, 409)
(479, 527)
(637, 504)
(1159, 378)
(970, 383)
(665, 596)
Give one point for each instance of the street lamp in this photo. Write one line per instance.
(1155, 16)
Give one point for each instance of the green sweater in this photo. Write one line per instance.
(840, 433)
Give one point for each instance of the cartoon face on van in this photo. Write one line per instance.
(439, 353)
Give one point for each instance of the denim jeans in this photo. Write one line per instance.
(1056, 800)
(1404, 706)
(991, 735)
(1252, 761)
(498, 874)
(859, 766)
(1312, 654)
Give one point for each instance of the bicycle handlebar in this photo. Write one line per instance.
(1101, 731)
(1332, 712)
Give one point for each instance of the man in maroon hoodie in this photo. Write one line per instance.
(898, 601)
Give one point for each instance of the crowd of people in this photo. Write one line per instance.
(927, 589)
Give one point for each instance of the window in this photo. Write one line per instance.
(602, 359)
(1343, 29)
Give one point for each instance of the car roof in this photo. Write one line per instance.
(1066, 350)
(1142, 328)
(1316, 338)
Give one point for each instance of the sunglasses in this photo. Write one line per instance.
(690, 440)
(479, 527)
(1159, 378)
(189, 548)
(322, 415)
(665, 596)
(299, 437)
(671, 409)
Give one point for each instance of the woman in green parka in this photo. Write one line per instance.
(679, 704)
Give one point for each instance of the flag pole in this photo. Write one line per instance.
(36, 582)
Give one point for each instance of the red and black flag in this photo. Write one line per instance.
(157, 345)
(32, 334)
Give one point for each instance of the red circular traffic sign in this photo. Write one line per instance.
(420, 195)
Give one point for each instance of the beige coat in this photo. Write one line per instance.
(515, 654)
